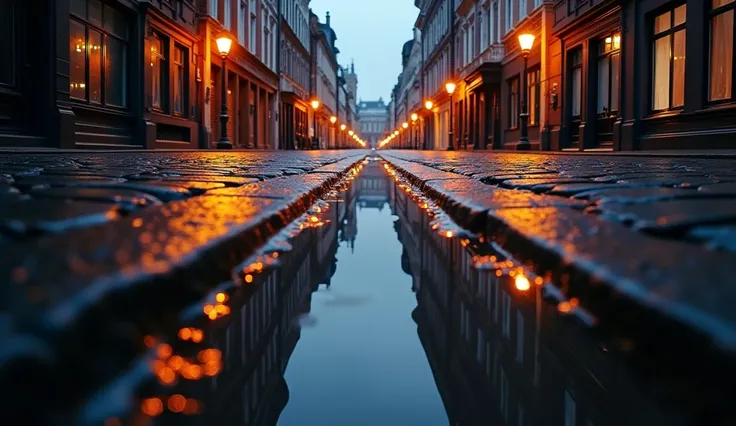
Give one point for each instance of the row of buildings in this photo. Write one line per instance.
(148, 74)
(601, 75)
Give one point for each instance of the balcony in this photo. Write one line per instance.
(493, 53)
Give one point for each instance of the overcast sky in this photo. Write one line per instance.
(371, 32)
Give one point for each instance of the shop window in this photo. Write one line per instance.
(158, 71)
(532, 79)
(179, 79)
(513, 103)
(98, 54)
(608, 74)
(721, 79)
(668, 60)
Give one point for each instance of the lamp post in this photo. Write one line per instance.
(526, 41)
(450, 87)
(414, 118)
(405, 125)
(333, 120)
(315, 105)
(428, 106)
(224, 42)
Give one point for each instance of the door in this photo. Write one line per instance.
(608, 88)
(576, 96)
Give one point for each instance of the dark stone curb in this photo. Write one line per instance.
(84, 298)
(665, 301)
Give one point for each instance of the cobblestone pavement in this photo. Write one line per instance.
(93, 243)
(637, 240)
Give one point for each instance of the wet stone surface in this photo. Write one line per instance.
(85, 186)
(646, 242)
(603, 181)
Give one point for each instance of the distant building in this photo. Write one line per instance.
(373, 117)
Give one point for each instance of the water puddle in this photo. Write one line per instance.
(375, 309)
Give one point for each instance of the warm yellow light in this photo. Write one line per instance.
(616, 41)
(396, 132)
(333, 119)
(315, 103)
(414, 117)
(405, 125)
(450, 87)
(522, 283)
(526, 41)
(350, 132)
(428, 104)
(343, 127)
(223, 44)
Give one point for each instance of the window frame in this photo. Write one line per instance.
(513, 121)
(608, 56)
(105, 33)
(711, 14)
(183, 67)
(536, 86)
(653, 38)
(164, 69)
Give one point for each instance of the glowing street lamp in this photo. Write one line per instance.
(333, 119)
(224, 43)
(428, 105)
(315, 106)
(450, 87)
(414, 118)
(526, 42)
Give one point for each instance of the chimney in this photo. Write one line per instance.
(327, 19)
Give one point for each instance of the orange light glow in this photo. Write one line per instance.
(211, 368)
(176, 403)
(166, 376)
(152, 407)
(499, 273)
(185, 333)
(208, 309)
(164, 351)
(192, 372)
(197, 335)
(249, 278)
(176, 363)
(221, 297)
(564, 307)
(522, 283)
(539, 281)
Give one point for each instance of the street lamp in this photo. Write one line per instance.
(428, 105)
(526, 41)
(414, 118)
(450, 87)
(315, 106)
(224, 42)
(333, 120)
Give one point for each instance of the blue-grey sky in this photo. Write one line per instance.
(371, 32)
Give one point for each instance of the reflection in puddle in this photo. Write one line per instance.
(402, 323)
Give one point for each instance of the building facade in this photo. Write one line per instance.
(324, 81)
(295, 74)
(373, 117)
(250, 67)
(78, 74)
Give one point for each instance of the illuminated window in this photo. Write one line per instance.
(721, 79)
(97, 48)
(668, 73)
